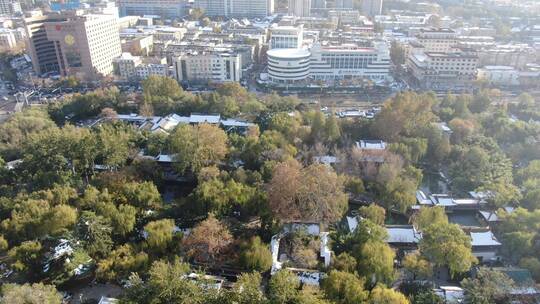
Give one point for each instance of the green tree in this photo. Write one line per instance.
(283, 287)
(196, 147)
(121, 262)
(154, 86)
(383, 295)
(168, 284)
(332, 129)
(60, 218)
(30, 294)
(417, 266)
(447, 245)
(404, 115)
(143, 195)
(480, 102)
(4, 246)
(533, 265)
(114, 142)
(430, 216)
(376, 261)
(159, 234)
(374, 213)
(345, 262)
(256, 255)
(344, 288)
(26, 257)
(95, 231)
(124, 219)
(397, 54)
(487, 287)
(247, 289)
(15, 131)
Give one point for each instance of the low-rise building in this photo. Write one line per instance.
(131, 67)
(485, 246)
(499, 75)
(443, 71)
(208, 66)
(515, 55)
(437, 39)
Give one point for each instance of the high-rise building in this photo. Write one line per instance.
(300, 8)
(372, 7)
(72, 44)
(10, 7)
(286, 37)
(236, 8)
(169, 9)
(208, 66)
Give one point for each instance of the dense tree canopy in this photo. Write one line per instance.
(314, 193)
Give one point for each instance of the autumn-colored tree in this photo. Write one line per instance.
(208, 241)
(314, 193)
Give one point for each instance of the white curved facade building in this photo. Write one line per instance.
(288, 65)
(329, 63)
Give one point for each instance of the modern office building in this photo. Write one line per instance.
(286, 37)
(72, 44)
(300, 8)
(168, 9)
(437, 39)
(236, 8)
(372, 7)
(208, 66)
(443, 71)
(329, 63)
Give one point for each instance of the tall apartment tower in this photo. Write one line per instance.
(73, 44)
(372, 7)
(300, 8)
(236, 8)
